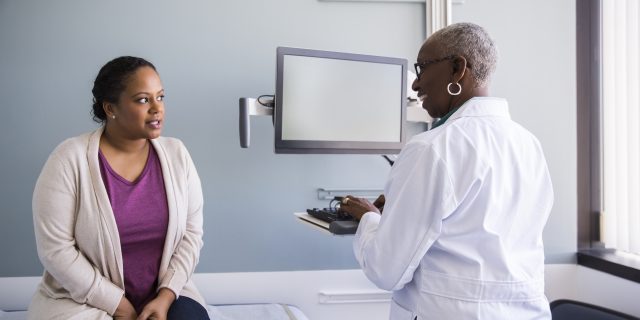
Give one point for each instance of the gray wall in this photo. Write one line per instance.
(210, 53)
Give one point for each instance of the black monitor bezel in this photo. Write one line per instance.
(335, 147)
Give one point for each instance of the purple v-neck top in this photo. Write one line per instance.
(142, 215)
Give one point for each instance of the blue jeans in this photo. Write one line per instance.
(187, 308)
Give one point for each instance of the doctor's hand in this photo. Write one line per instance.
(357, 207)
(379, 203)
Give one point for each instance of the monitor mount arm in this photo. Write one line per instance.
(251, 107)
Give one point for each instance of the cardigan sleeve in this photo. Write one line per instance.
(54, 216)
(187, 252)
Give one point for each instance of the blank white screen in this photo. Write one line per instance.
(340, 100)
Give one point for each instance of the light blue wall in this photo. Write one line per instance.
(537, 74)
(210, 53)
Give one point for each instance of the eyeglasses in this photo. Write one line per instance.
(419, 66)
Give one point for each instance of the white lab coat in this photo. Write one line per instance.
(461, 232)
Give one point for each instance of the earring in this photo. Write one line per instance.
(454, 93)
(113, 116)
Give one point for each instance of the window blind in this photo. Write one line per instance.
(620, 223)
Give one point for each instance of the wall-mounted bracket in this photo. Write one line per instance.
(250, 107)
(330, 193)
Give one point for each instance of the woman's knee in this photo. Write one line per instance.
(187, 308)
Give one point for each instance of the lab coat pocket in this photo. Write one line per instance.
(399, 313)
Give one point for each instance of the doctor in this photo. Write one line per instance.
(466, 202)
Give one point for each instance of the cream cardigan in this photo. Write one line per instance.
(77, 236)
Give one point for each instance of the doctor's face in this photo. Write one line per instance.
(434, 70)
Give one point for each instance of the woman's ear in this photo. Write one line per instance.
(108, 108)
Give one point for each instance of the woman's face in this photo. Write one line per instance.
(139, 113)
(431, 84)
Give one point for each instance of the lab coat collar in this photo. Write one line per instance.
(483, 107)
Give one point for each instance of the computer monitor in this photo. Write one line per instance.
(333, 102)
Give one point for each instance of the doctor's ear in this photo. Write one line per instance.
(459, 64)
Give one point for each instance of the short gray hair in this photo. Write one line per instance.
(472, 42)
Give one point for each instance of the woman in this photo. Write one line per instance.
(118, 211)
(465, 203)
